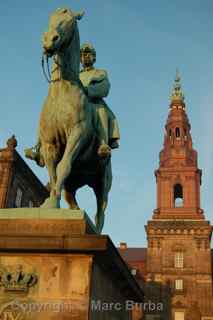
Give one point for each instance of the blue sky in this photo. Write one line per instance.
(140, 43)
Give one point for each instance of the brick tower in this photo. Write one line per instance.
(179, 254)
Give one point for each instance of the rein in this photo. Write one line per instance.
(47, 76)
(47, 73)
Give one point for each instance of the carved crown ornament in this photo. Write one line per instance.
(18, 280)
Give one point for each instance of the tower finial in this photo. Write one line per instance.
(12, 142)
(177, 78)
(177, 93)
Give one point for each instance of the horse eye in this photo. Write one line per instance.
(65, 11)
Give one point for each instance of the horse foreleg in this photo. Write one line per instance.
(74, 144)
(50, 153)
(71, 200)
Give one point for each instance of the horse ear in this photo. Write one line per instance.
(79, 15)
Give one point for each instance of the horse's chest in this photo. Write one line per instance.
(65, 100)
(62, 110)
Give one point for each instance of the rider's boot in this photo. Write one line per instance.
(114, 144)
(34, 154)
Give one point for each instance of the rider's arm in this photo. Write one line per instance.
(99, 85)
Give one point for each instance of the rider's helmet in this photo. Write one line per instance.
(88, 47)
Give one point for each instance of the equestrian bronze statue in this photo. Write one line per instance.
(74, 141)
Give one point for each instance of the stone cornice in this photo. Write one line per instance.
(198, 228)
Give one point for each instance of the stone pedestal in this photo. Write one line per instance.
(54, 266)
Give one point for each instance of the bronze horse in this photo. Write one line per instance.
(67, 130)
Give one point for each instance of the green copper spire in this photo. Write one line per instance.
(177, 94)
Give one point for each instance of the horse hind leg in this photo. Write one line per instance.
(101, 189)
(102, 200)
(69, 197)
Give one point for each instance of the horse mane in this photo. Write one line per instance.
(75, 47)
(69, 59)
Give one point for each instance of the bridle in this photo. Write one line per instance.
(46, 71)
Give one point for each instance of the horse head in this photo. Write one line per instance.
(62, 26)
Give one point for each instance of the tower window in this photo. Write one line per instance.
(179, 315)
(179, 284)
(134, 272)
(177, 132)
(178, 195)
(178, 259)
(170, 133)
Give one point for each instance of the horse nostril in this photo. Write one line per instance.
(55, 38)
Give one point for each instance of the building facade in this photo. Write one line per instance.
(19, 187)
(177, 265)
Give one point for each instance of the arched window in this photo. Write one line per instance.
(170, 133)
(178, 195)
(177, 132)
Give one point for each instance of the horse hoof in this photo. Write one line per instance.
(35, 156)
(51, 203)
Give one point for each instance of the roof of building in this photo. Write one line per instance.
(133, 254)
